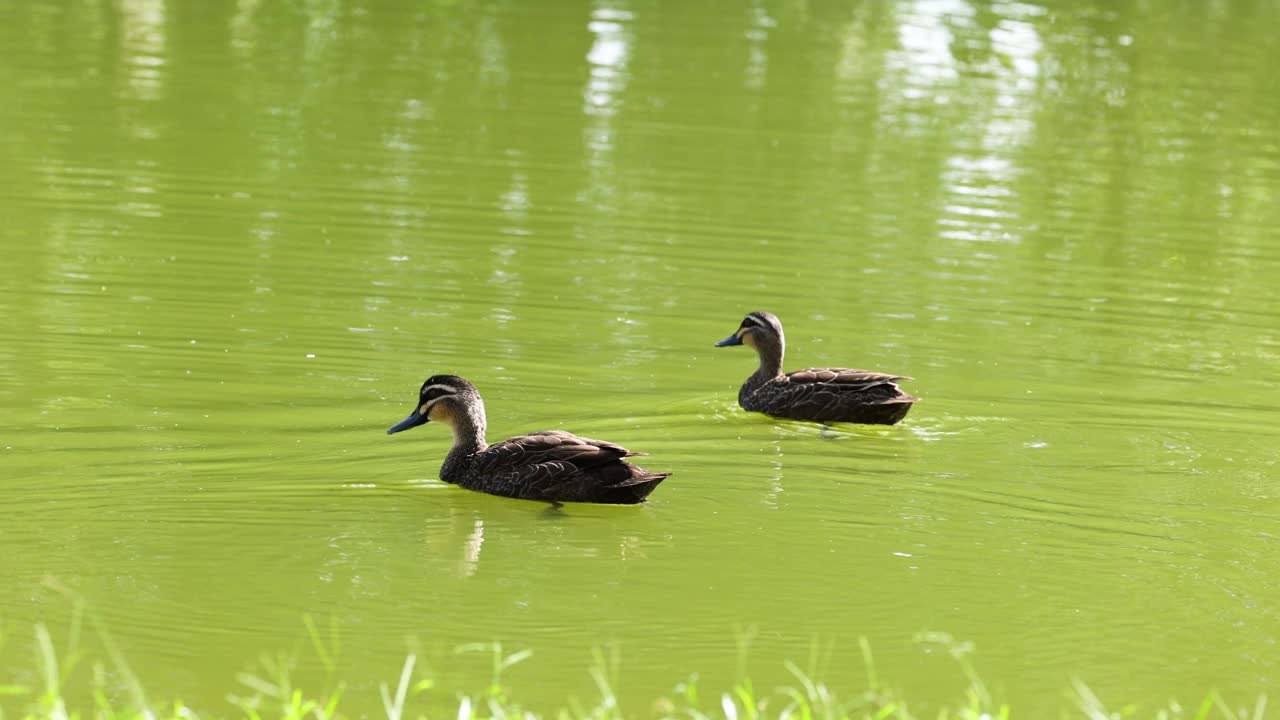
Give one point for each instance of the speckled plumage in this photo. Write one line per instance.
(816, 394)
(551, 465)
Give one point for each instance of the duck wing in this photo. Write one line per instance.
(876, 385)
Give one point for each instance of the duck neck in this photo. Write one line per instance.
(468, 430)
(770, 353)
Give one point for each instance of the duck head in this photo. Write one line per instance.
(442, 398)
(758, 329)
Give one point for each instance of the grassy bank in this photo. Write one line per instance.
(73, 684)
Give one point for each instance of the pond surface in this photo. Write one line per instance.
(237, 237)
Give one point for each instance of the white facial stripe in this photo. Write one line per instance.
(447, 391)
(753, 320)
(426, 406)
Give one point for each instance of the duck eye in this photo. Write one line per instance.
(435, 392)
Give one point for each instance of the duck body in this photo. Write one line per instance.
(816, 394)
(829, 395)
(555, 466)
(551, 465)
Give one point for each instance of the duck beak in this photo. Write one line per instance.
(414, 420)
(733, 339)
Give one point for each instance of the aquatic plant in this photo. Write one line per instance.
(271, 691)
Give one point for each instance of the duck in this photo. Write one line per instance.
(817, 394)
(552, 465)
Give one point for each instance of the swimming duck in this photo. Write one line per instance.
(551, 465)
(817, 394)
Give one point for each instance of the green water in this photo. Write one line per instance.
(237, 236)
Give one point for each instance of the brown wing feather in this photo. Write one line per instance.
(556, 445)
(843, 376)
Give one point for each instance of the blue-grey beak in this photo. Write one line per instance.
(414, 420)
(731, 340)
